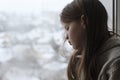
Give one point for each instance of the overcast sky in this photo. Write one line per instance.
(31, 6)
(26, 6)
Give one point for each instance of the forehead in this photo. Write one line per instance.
(71, 23)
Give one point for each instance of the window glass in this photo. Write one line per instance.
(32, 39)
(109, 7)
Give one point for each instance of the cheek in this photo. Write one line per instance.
(77, 33)
(77, 37)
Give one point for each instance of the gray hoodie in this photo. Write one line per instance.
(108, 60)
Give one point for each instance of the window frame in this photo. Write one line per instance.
(116, 16)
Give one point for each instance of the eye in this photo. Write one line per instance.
(67, 27)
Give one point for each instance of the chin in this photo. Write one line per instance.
(76, 47)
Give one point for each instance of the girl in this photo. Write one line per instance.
(97, 50)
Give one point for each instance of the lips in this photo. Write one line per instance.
(69, 42)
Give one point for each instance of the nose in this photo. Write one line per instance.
(66, 37)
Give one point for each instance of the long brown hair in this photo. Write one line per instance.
(97, 33)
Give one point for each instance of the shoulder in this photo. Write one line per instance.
(111, 70)
(110, 61)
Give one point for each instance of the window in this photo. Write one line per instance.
(116, 16)
(31, 39)
(109, 7)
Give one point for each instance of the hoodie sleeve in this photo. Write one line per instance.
(113, 72)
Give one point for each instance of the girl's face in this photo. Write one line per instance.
(75, 34)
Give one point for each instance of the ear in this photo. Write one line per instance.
(82, 21)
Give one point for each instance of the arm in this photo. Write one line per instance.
(113, 71)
